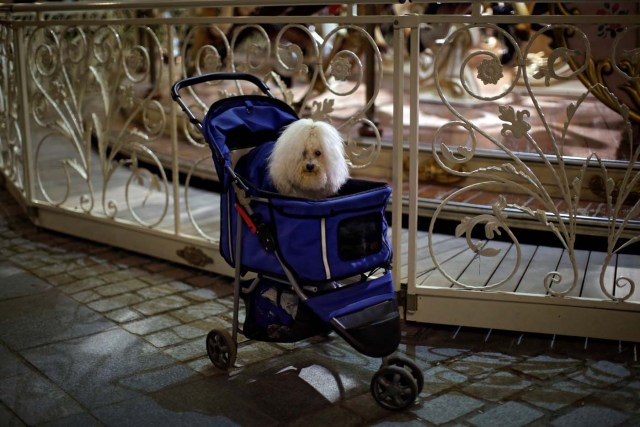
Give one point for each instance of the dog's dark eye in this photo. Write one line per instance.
(318, 153)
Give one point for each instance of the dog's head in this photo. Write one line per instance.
(308, 160)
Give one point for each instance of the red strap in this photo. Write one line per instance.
(334, 9)
(246, 218)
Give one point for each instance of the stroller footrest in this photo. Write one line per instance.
(373, 331)
(365, 314)
(352, 298)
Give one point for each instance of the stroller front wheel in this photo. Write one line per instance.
(410, 366)
(394, 387)
(221, 349)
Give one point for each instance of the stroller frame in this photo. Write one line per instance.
(398, 382)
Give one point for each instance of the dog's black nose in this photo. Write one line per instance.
(310, 167)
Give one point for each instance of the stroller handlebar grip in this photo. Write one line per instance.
(175, 89)
(218, 76)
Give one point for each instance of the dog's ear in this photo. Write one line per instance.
(335, 157)
(283, 156)
(338, 175)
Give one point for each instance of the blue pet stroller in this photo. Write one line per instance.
(316, 266)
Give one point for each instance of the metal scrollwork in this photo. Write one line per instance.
(11, 141)
(55, 106)
(515, 175)
(290, 56)
(615, 62)
(345, 66)
(134, 67)
(252, 51)
(187, 185)
(493, 223)
(121, 64)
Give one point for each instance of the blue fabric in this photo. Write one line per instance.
(243, 122)
(352, 298)
(253, 166)
(298, 230)
(296, 225)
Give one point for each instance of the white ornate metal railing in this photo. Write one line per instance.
(486, 101)
(612, 76)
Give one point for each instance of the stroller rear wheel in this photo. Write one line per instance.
(394, 387)
(221, 349)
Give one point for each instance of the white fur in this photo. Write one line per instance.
(308, 160)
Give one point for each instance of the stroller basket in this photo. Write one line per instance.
(365, 314)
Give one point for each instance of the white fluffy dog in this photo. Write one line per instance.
(308, 160)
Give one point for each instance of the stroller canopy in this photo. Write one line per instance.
(243, 122)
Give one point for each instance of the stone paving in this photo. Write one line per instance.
(92, 335)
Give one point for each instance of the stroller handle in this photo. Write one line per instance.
(212, 77)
